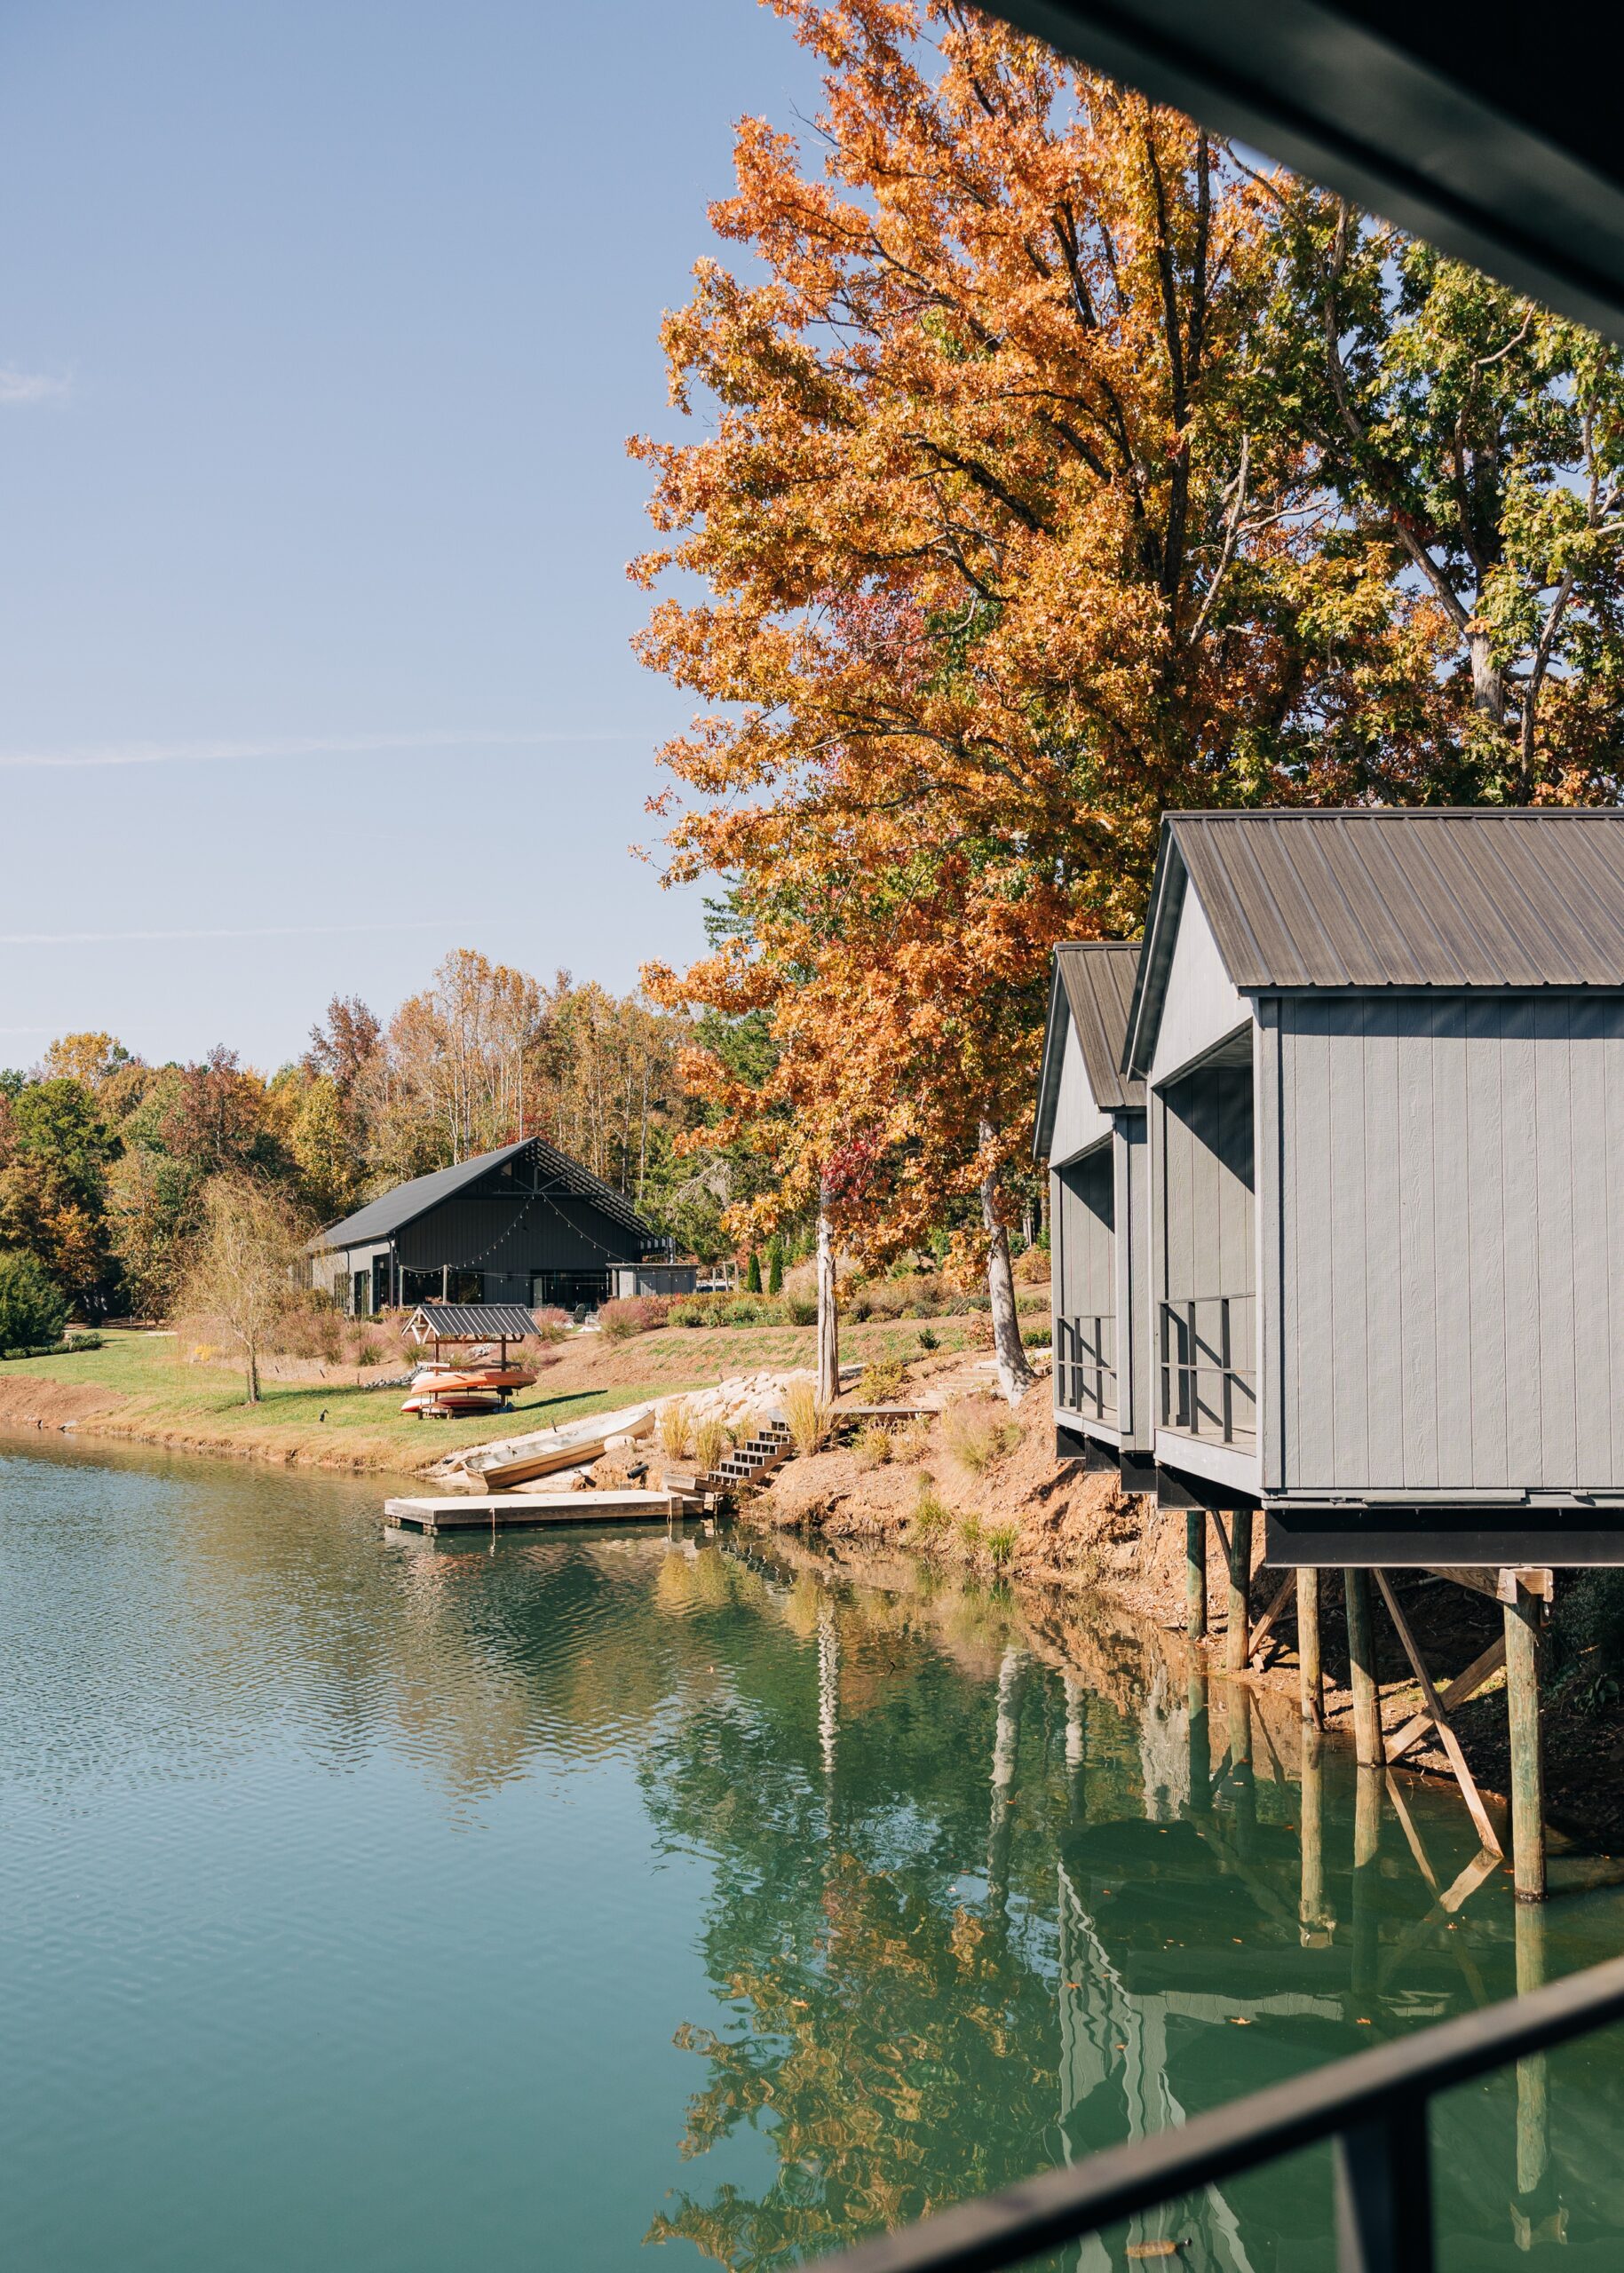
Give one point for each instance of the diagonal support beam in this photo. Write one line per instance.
(1260, 1632)
(1461, 1689)
(1447, 1737)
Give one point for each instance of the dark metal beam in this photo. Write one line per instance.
(1424, 1538)
(1491, 130)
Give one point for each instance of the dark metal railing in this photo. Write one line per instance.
(1204, 1391)
(1373, 2107)
(1085, 1365)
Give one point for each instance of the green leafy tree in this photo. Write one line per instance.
(33, 1310)
(1473, 444)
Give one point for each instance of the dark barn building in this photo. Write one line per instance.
(524, 1224)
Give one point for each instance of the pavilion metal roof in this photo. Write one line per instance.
(382, 1218)
(1092, 990)
(469, 1322)
(1383, 897)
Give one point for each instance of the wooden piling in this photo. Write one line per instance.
(1522, 1624)
(1311, 1678)
(1238, 1639)
(1362, 1670)
(1366, 1916)
(1312, 1920)
(1200, 1736)
(1533, 2083)
(1195, 1574)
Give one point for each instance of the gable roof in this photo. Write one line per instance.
(382, 1218)
(1090, 992)
(1382, 896)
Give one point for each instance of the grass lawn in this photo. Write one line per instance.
(139, 1385)
(156, 1396)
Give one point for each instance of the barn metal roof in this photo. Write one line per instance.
(1091, 990)
(469, 1322)
(1379, 897)
(382, 1218)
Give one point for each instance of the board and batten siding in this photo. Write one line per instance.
(1450, 1243)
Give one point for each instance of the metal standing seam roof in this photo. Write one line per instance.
(1379, 897)
(381, 1219)
(1092, 989)
(472, 1322)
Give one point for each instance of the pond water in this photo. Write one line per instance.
(376, 1904)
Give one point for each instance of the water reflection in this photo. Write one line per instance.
(808, 1897)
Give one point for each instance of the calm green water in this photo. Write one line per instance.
(375, 1905)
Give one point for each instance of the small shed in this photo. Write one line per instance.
(524, 1225)
(1383, 1060)
(1090, 1133)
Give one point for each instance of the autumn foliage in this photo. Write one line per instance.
(1057, 469)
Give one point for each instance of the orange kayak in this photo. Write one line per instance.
(480, 1388)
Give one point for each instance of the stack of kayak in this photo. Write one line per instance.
(442, 1392)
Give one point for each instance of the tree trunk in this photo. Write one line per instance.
(828, 1313)
(1015, 1376)
(250, 1364)
(1488, 688)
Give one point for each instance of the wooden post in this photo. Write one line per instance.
(1309, 1674)
(1362, 1670)
(1195, 1574)
(1237, 1641)
(1200, 1736)
(1532, 2089)
(1366, 1844)
(1312, 1919)
(1522, 1619)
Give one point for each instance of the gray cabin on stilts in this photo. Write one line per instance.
(1383, 1054)
(1090, 1133)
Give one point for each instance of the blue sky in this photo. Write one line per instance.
(323, 324)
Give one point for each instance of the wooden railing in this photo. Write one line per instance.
(1206, 1391)
(1373, 2107)
(1085, 1365)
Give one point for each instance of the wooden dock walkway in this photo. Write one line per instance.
(516, 1510)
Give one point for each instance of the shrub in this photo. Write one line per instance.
(971, 1534)
(638, 1314)
(806, 1417)
(803, 1309)
(1038, 1337)
(673, 1425)
(912, 1440)
(871, 1444)
(882, 1382)
(33, 1309)
(978, 1437)
(711, 1441)
(931, 1513)
(775, 1268)
(1032, 1267)
(928, 1339)
(752, 1277)
(552, 1323)
(1001, 1542)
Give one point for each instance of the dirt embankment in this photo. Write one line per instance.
(28, 1402)
(1077, 1531)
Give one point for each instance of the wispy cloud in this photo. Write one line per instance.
(268, 750)
(18, 389)
(245, 931)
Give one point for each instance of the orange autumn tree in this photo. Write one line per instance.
(1004, 552)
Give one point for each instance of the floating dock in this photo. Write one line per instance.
(515, 1510)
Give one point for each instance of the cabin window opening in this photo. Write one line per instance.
(1085, 1319)
(1206, 1325)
